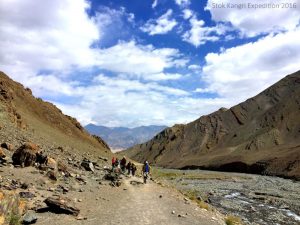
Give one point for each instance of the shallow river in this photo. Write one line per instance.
(256, 199)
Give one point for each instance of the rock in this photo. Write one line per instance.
(26, 194)
(24, 185)
(25, 155)
(29, 218)
(81, 218)
(41, 158)
(103, 158)
(111, 176)
(51, 163)
(88, 165)
(61, 205)
(173, 212)
(52, 175)
(63, 168)
(134, 182)
(7, 146)
(160, 196)
(199, 198)
(2, 154)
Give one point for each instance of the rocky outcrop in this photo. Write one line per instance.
(25, 155)
(250, 137)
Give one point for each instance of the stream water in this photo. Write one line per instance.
(256, 199)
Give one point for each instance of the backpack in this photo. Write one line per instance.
(147, 168)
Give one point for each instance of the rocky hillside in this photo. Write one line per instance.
(120, 138)
(25, 118)
(260, 135)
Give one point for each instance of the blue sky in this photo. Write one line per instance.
(132, 63)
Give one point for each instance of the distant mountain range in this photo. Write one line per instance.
(260, 135)
(120, 138)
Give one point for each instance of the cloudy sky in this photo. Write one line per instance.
(142, 62)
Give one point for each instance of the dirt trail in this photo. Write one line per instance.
(142, 204)
(136, 204)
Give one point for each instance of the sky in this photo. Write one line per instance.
(147, 62)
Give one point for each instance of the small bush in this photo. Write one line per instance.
(15, 219)
(233, 220)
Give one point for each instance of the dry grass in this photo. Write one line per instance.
(193, 195)
(161, 173)
(233, 220)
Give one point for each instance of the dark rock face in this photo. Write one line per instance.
(260, 135)
(25, 155)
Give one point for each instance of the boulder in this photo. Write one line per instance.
(26, 154)
(88, 165)
(61, 205)
(29, 218)
(7, 146)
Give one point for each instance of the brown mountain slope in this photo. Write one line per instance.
(260, 135)
(26, 118)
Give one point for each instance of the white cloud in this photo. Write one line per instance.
(241, 72)
(252, 22)
(199, 34)
(194, 67)
(139, 60)
(187, 13)
(133, 103)
(154, 4)
(165, 76)
(115, 24)
(162, 25)
(183, 3)
(56, 36)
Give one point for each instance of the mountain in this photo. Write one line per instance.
(26, 118)
(260, 135)
(119, 138)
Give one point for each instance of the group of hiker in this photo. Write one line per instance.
(123, 165)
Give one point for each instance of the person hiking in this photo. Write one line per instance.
(123, 164)
(133, 169)
(128, 167)
(113, 162)
(146, 171)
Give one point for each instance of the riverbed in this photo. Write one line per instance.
(256, 199)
